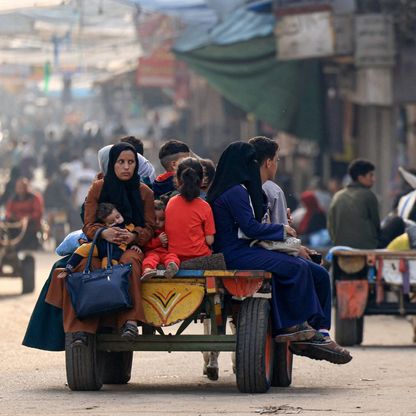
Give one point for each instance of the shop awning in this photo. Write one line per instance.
(286, 95)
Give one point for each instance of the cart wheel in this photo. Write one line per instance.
(117, 367)
(348, 331)
(28, 274)
(282, 365)
(255, 346)
(83, 364)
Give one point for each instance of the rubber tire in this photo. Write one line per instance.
(254, 364)
(117, 367)
(28, 274)
(282, 365)
(347, 331)
(84, 365)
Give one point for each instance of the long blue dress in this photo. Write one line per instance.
(300, 289)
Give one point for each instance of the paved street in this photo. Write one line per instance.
(379, 381)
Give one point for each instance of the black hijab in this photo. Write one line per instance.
(125, 195)
(238, 165)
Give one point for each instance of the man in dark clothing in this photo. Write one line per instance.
(353, 217)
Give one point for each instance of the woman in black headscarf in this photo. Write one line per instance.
(299, 287)
(121, 186)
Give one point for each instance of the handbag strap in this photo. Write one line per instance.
(109, 255)
(94, 242)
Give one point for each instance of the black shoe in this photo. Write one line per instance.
(79, 339)
(321, 347)
(298, 332)
(129, 331)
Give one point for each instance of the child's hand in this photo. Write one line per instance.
(137, 249)
(164, 239)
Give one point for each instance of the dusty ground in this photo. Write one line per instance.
(381, 379)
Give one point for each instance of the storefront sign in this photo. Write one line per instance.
(337, 6)
(374, 39)
(344, 34)
(373, 86)
(157, 70)
(305, 36)
(405, 76)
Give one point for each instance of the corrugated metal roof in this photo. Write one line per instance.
(239, 26)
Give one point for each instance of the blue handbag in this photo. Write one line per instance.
(95, 292)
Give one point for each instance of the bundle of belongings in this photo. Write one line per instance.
(396, 271)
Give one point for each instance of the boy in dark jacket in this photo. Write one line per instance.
(169, 155)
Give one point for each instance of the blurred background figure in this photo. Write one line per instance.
(28, 161)
(323, 196)
(81, 180)
(312, 227)
(10, 186)
(57, 199)
(26, 204)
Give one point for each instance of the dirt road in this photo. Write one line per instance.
(380, 380)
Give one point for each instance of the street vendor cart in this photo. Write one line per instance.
(371, 282)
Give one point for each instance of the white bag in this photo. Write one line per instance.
(289, 246)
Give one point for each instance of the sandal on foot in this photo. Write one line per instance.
(129, 331)
(300, 332)
(321, 347)
(171, 269)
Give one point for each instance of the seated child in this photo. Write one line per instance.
(156, 251)
(110, 217)
(189, 220)
(208, 168)
(169, 155)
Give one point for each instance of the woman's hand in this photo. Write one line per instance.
(290, 231)
(304, 252)
(128, 237)
(115, 235)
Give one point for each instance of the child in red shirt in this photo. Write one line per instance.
(189, 220)
(156, 251)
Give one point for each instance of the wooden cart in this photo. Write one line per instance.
(192, 296)
(371, 282)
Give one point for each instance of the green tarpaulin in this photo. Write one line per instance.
(286, 95)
